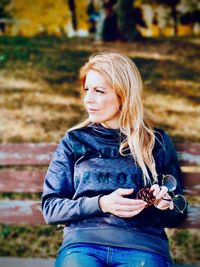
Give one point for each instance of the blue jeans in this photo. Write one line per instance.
(92, 255)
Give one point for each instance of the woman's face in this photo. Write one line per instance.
(100, 101)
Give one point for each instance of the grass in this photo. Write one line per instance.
(40, 100)
(15, 241)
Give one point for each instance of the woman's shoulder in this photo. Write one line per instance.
(77, 133)
(159, 133)
(78, 130)
(72, 139)
(162, 138)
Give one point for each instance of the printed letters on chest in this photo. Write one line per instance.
(106, 177)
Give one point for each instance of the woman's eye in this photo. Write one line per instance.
(86, 89)
(99, 91)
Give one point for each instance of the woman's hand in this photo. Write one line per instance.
(164, 200)
(120, 206)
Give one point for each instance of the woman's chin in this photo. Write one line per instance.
(94, 120)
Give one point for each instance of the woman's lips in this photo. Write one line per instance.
(91, 110)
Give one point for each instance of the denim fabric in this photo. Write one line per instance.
(92, 255)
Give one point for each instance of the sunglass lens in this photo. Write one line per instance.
(180, 203)
(170, 182)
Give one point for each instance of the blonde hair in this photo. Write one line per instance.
(122, 75)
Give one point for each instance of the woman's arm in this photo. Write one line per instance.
(58, 205)
(171, 217)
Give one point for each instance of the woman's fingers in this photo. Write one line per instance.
(163, 205)
(156, 189)
(171, 205)
(121, 206)
(123, 191)
(132, 207)
(164, 199)
(129, 202)
(128, 214)
(128, 211)
(128, 207)
(159, 191)
(163, 192)
(121, 200)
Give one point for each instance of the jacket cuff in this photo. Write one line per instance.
(90, 206)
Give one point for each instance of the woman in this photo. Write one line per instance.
(95, 175)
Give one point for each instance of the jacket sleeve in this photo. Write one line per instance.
(171, 218)
(58, 205)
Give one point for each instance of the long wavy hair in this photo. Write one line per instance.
(122, 75)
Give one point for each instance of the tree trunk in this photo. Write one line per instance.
(175, 19)
(107, 28)
(72, 7)
(126, 20)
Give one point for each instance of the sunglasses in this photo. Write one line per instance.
(179, 201)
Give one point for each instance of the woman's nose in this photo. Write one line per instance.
(89, 97)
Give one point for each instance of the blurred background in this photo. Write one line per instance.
(43, 44)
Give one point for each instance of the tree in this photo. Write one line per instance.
(190, 13)
(107, 28)
(119, 20)
(172, 4)
(72, 7)
(128, 18)
(3, 12)
(38, 17)
(4, 15)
